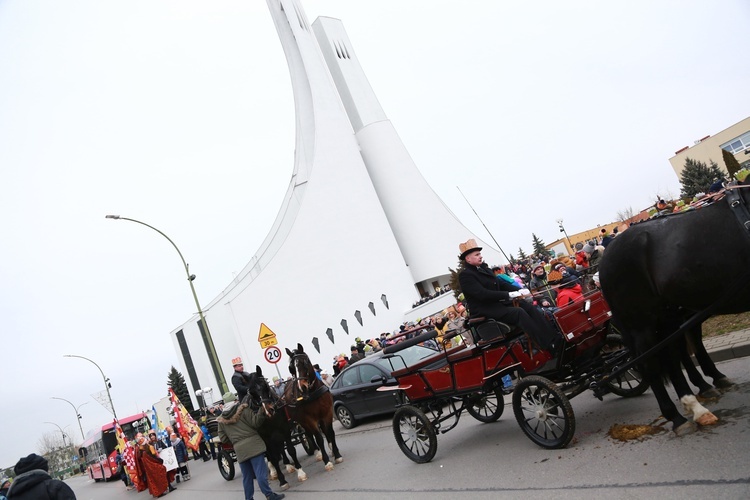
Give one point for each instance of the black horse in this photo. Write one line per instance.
(659, 272)
(310, 403)
(275, 431)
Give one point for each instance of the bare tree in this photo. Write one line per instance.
(57, 452)
(625, 214)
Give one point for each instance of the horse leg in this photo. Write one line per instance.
(295, 465)
(331, 437)
(705, 389)
(701, 415)
(273, 454)
(695, 340)
(320, 441)
(680, 425)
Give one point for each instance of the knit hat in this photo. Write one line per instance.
(30, 462)
(229, 397)
(588, 248)
(554, 277)
(579, 246)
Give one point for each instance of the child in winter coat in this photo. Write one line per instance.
(181, 454)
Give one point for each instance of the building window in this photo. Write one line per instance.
(737, 145)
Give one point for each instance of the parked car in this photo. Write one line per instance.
(355, 390)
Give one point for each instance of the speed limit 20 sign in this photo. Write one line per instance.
(272, 354)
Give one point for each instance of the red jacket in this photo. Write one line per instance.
(567, 295)
(581, 259)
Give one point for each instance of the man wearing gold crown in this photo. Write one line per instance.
(489, 297)
(240, 378)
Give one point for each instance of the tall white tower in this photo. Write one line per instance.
(354, 235)
(415, 213)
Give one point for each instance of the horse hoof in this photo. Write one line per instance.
(272, 476)
(339, 460)
(685, 429)
(710, 394)
(284, 486)
(329, 466)
(318, 456)
(707, 419)
(290, 469)
(723, 383)
(301, 475)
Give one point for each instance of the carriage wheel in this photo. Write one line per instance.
(629, 384)
(488, 408)
(345, 417)
(414, 434)
(226, 465)
(543, 412)
(300, 435)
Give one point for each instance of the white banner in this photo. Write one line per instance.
(170, 459)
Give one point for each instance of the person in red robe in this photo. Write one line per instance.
(150, 469)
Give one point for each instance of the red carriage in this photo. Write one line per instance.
(434, 392)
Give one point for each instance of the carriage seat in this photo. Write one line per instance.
(489, 330)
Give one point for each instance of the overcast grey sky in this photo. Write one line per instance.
(180, 114)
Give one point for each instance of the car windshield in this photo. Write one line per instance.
(405, 358)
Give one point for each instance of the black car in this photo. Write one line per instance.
(355, 390)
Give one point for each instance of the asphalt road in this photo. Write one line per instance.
(489, 461)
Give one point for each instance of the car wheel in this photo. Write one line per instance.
(345, 417)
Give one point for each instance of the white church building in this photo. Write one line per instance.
(352, 218)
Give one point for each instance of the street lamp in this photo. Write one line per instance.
(212, 357)
(77, 414)
(562, 230)
(61, 432)
(65, 446)
(107, 385)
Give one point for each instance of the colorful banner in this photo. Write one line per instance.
(155, 424)
(128, 454)
(186, 427)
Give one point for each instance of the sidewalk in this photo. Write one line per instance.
(729, 345)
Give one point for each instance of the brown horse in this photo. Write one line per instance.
(310, 403)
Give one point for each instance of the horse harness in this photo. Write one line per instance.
(738, 205)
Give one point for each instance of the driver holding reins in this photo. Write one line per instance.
(490, 297)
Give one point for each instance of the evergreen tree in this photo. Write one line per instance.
(730, 162)
(455, 284)
(538, 245)
(697, 177)
(522, 255)
(176, 381)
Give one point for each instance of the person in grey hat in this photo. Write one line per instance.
(238, 425)
(34, 483)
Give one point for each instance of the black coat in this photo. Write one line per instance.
(240, 381)
(38, 485)
(483, 291)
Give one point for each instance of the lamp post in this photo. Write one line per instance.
(77, 414)
(61, 432)
(562, 230)
(106, 382)
(65, 446)
(210, 348)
